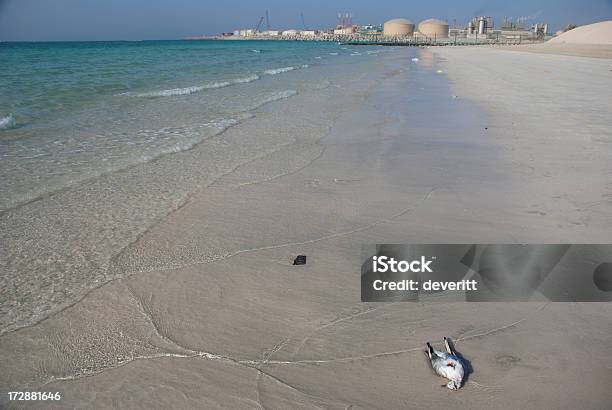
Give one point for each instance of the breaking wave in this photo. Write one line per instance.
(275, 71)
(7, 122)
(209, 86)
(248, 79)
(278, 95)
(180, 91)
(193, 89)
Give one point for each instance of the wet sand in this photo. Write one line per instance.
(207, 311)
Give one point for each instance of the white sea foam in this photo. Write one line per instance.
(275, 71)
(186, 137)
(275, 96)
(195, 88)
(180, 91)
(280, 95)
(248, 79)
(333, 54)
(321, 85)
(7, 122)
(222, 124)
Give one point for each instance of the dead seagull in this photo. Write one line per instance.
(447, 364)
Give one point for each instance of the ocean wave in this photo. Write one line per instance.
(275, 71)
(281, 95)
(276, 96)
(220, 125)
(180, 91)
(321, 85)
(193, 89)
(333, 54)
(248, 79)
(7, 122)
(192, 136)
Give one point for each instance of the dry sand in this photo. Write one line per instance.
(211, 314)
(577, 50)
(597, 33)
(593, 40)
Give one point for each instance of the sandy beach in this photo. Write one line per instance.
(577, 50)
(469, 145)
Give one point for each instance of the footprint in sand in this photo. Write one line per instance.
(507, 360)
(345, 181)
(315, 183)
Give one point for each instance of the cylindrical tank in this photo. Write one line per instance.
(482, 26)
(434, 28)
(398, 27)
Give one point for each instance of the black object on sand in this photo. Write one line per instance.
(300, 260)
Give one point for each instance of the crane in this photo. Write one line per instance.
(261, 20)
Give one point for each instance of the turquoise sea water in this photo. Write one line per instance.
(72, 111)
(99, 142)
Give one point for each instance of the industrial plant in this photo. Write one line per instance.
(401, 31)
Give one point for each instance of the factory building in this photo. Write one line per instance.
(434, 28)
(344, 31)
(244, 33)
(478, 30)
(398, 28)
(370, 30)
(482, 28)
(480, 25)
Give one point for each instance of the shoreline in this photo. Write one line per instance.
(215, 314)
(135, 198)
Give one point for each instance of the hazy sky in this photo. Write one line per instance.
(169, 19)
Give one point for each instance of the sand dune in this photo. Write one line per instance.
(597, 33)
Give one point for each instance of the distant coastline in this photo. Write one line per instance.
(416, 41)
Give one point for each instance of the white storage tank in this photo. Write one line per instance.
(398, 28)
(434, 28)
